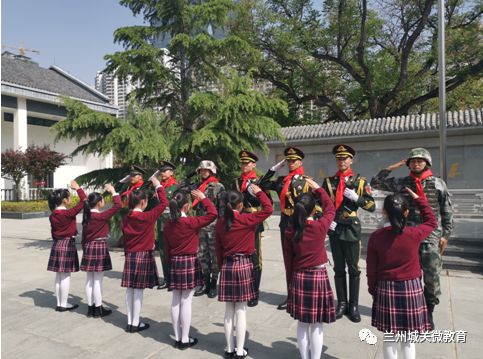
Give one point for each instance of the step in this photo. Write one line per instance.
(455, 262)
(465, 251)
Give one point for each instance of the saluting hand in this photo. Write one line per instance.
(197, 194)
(110, 188)
(411, 193)
(253, 189)
(312, 184)
(278, 166)
(155, 182)
(74, 185)
(397, 165)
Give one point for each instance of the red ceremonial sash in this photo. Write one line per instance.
(169, 182)
(245, 177)
(203, 186)
(286, 183)
(131, 189)
(418, 180)
(339, 195)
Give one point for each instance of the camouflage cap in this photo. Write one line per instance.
(419, 153)
(207, 165)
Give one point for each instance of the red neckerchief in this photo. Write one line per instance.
(286, 183)
(131, 189)
(245, 177)
(169, 182)
(203, 186)
(418, 180)
(339, 195)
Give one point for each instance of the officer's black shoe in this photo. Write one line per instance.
(430, 316)
(283, 305)
(341, 309)
(163, 285)
(213, 292)
(353, 312)
(341, 291)
(204, 288)
(253, 302)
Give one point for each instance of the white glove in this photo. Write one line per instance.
(351, 194)
(332, 226)
(278, 166)
(250, 191)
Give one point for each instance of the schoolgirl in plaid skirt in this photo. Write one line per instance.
(310, 298)
(181, 244)
(139, 266)
(235, 245)
(95, 257)
(63, 257)
(394, 273)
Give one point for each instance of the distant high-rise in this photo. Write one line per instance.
(116, 89)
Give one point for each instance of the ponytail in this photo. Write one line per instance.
(395, 206)
(303, 207)
(92, 200)
(232, 200)
(136, 197)
(176, 204)
(57, 196)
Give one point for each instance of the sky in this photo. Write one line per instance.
(72, 34)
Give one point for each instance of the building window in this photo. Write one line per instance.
(8, 117)
(36, 121)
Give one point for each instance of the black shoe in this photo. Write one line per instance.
(341, 291)
(90, 311)
(128, 328)
(64, 309)
(228, 355)
(191, 343)
(176, 344)
(213, 292)
(163, 285)
(139, 328)
(245, 354)
(101, 312)
(282, 306)
(205, 288)
(430, 316)
(253, 302)
(353, 311)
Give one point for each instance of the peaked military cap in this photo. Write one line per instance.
(293, 153)
(247, 156)
(166, 165)
(136, 170)
(341, 151)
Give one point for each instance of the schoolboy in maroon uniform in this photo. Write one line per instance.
(63, 257)
(181, 242)
(139, 267)
(310, 300)
(235, 246)
(96, 258)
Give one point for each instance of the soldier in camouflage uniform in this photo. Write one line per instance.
(348, 192)
(248, 162)
(288, 189)
(212, 189)
(422, 181)
(170, 185)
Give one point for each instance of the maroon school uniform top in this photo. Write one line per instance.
(181, 236)
(98, 225)
(310, 251)
(395, 257)
(62, 221)
(240, 239)
(138, 227)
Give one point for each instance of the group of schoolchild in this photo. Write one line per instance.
(393, 269)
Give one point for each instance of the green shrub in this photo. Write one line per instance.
(31, 206)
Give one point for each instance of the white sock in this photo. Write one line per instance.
(316, 331)
(303, 339)
(57, 288)
(175, 309)
(89, 285)
(64, 290)
(229, 316)
(97, 288)
(137, 304)
(185, 310)
(408, 350)
(389, 350)
(241, 326)
(129, 304)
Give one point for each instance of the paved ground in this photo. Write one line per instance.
(32, 329)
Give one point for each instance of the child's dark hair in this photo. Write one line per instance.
(395, 206)
(92, 200)
(176, 204)
(303, 208)
(231, 200)
(57, 196)
(136, 197)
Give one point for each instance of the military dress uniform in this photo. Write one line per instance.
(345, 240)
(438, 197)
(298, 185)
(252, 204)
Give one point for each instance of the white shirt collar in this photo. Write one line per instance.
(183, 214)
(386, 224)
(137, 210)
(60, 208)
(95, 210)
(310, 218)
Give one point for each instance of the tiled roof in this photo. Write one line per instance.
(387, 125)
(23, 72)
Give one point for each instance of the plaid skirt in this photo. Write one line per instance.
(310, 298)
(63, 256)
(399, 306)
(237, 279)
(185, 272)
(140, 270)
(95, 257)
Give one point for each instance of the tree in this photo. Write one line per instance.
(14, 168)
(41, 160)
(359, 58)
